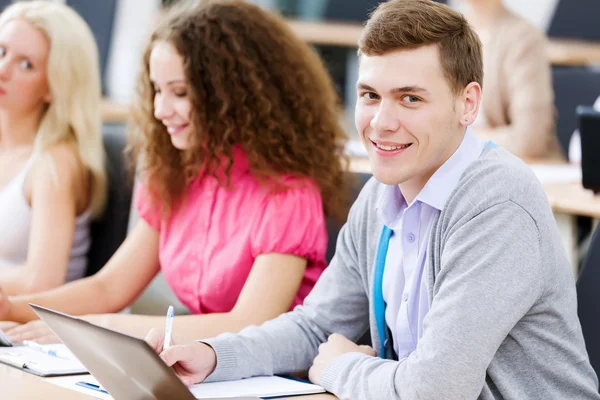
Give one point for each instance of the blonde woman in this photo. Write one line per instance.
(517, 108)
(52, 179)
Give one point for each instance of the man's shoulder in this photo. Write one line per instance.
(496, 177)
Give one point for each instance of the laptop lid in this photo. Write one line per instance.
(125, 365)
(589, 129)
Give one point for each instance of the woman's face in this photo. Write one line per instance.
(24, 52)
(171, 103)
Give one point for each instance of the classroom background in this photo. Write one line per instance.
(333, 27)
(121, 28)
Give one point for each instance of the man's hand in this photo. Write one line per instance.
(191, 362)
(336, 346)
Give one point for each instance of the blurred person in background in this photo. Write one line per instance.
(517, 110)
(240, 154)
(52, 172)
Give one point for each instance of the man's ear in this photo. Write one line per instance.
(471, 98)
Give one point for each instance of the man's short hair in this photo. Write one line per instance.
(408, 24)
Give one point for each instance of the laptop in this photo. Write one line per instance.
(126, 366)
(589, 129)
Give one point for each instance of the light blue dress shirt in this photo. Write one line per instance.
(405, 283)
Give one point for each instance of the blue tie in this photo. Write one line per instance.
(378, 302)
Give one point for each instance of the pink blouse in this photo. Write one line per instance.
(209, 244)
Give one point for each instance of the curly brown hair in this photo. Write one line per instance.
(253, 83)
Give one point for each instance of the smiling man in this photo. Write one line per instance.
(450, 256)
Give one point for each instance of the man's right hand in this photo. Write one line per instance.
(191, 362)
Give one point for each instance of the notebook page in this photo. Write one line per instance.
(44, 364)
(262, 386)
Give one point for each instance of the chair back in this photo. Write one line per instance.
(333, 227)
(110, 231)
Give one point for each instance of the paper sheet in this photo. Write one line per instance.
(262, 386)
(557, 174)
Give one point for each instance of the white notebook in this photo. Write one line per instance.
(42, 364)
(263, 386)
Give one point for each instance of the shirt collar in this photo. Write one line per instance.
(390, 204)
(438, 188)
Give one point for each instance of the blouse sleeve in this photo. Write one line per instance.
(291, 222)
(145, 209)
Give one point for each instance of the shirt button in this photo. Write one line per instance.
(410, 237)
(405, 297)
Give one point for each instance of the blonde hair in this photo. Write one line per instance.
(73, 116)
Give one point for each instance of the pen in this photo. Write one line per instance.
(168, 328)
(88, 385)
(49, 351)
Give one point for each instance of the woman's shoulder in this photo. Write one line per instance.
(516, 29)
(60, 161)
(282, 194)
(298, 187)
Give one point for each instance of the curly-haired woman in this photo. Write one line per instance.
(240, 158)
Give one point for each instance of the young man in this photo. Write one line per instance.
(450, 255)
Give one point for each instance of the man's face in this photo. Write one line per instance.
(407, 115)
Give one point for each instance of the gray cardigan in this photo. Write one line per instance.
(503, 319)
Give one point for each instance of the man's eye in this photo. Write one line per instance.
(411, 99)
(370, 96)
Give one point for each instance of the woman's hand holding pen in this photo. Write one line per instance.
(191, 362)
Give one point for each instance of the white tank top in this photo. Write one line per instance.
(15, 225)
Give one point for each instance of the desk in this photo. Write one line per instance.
(568, 200)
(573, 52)
(113, 112)
(19, 385)
(559, 51)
